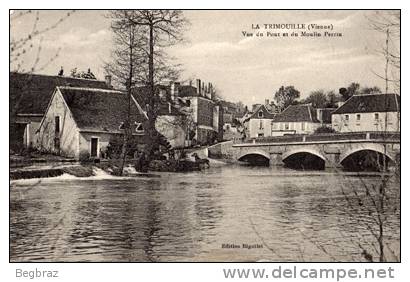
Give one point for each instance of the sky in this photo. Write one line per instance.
(247, 69)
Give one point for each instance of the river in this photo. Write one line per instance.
(282, 214)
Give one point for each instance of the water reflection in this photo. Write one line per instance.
(187, 217)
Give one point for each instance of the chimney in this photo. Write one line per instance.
(198, 86)
(211, 91)
(266, 102)
(174, 90)
(108, 80)
(172, 87)
(203, 89)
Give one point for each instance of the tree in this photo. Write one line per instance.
(318, 99)
(26, 49)
(82, 74)
(351, 90)
(324, 129)
(126, 56)
(333, 99)
(388, 23)
(370, 90)
(139, 58)
(285, 96)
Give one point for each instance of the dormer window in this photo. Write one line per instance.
(260, 114)
(138, 127)
(121, 126)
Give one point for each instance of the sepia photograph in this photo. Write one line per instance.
(204, 136)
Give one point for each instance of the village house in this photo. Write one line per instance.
(171, 121)
(30, 95)
(81, 122)
(206, 112)
(259, 123)
(300, 119)
(368, 112)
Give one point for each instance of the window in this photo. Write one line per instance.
(57, 124)
(260, 114)
(286, 126)
(346, 117)
(376, 116)
(303, 126)
(261, 124)
(121, 126)
(138, 127)
(273, 125)
(358, 117)
(188, 103)
(260, 134)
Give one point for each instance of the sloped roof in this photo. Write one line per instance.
(166, 105)
(31, 93)
(369, 103)
(297, 113)
(265, 113)
(100, 110)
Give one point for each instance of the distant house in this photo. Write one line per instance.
(80, 122)
(29, 95)
(205, 111)
(258, 124)
(368, 112)
(300, 119)
(171, 121)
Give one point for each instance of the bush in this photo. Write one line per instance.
(84, 156)
(114, 147)
(324, 129)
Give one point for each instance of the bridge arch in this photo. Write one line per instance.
(366, 147)
(302, 150)
(264, 157)
(304, 158)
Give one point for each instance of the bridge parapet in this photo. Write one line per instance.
(323, 137)
(331, 148)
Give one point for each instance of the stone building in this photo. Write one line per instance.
(206, 112)
(80, 122)
(171, 122)
(258, 124)
(29, 96)
(368, 112)
(300, 119)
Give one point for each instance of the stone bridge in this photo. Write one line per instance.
(333, 149)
